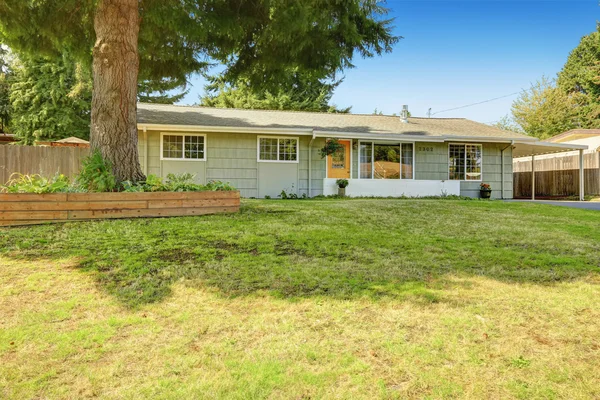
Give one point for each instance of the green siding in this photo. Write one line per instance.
(232, 157)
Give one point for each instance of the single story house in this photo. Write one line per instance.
(264, 152)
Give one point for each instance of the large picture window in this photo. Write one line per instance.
(386, 161)
(182, 147)
(464, 162)
(274, 149)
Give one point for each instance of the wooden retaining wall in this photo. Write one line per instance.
(42, 160)
(28, 208)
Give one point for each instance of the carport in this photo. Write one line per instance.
(533, 149)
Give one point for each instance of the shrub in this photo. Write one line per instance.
(174, 183)
(20, 183)
(96, 174)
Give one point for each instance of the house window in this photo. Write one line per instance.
(464, 162)
(386, 161)
(182, 147)
(277, 149)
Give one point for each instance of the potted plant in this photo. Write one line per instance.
(342, 183)
(331, 146)
(485, 190)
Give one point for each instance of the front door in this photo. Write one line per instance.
(338, 163)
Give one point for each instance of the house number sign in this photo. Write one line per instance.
(423, 148)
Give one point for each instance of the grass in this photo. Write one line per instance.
(307, 299)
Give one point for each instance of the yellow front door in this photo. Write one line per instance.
(338, 163)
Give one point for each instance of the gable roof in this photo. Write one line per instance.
(574, 134)
(160, 114)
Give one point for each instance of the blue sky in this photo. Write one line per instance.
(456, 53)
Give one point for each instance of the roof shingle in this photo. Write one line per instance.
(356, 123)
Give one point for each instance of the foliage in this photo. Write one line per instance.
(342, 183)
(485, 186)
(581, 73)
(331, 146)
(21, 183)
(507, 123)
(50, 99)
(546, 110)
(174, 183)
(300, 92)
(254, 39)
(6, 73)
(96, 174)
(161, 91)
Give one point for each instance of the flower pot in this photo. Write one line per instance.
(485, 194)
(342, 192)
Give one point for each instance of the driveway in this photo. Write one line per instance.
(587, 205)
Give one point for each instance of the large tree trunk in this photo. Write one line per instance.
(114, 98)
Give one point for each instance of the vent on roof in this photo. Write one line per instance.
(404, 114)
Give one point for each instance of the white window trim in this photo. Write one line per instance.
(297, 138)
(373, 142)
(466, 144)
(183, 155)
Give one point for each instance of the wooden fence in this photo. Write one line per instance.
(46, 161)
(30, 208)
(557, 176)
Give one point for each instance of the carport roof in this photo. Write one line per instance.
(528, 149)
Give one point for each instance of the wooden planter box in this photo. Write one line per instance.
(29, 208)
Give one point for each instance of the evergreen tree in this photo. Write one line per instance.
(140, 40)
(5, 76)
(298, 93)
(580, 73)
(50, 99)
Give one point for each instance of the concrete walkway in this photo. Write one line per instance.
(587, 205)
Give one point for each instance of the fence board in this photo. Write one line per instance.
(46, 161)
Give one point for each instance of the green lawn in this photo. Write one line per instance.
(355, 299)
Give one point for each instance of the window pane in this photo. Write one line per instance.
(338, 159)
(267, 149)
(172, 146)
(288, 149)
(387, 161)
(194, 147)
(407, 161)
(366, 160)
(456, 162)
(473, 162)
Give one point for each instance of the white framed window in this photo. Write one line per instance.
(465, 161)
(278, 149)
(386, 160)
(182, 146)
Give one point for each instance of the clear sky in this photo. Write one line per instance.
(456, 53)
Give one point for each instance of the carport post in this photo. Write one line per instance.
(532, 177)
(581, 176)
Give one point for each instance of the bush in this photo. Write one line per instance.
(96, 174)
(20, 183)
(174, 183)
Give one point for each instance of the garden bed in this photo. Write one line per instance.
(31, 208)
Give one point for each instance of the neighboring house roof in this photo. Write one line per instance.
(574, 134)
(72, 139)
(158, 114)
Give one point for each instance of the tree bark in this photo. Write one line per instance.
(114, 97)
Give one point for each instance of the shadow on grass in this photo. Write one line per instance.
(282, 253)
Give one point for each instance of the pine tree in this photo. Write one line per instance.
(171, 39)
(300, 92)
(50, 99)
